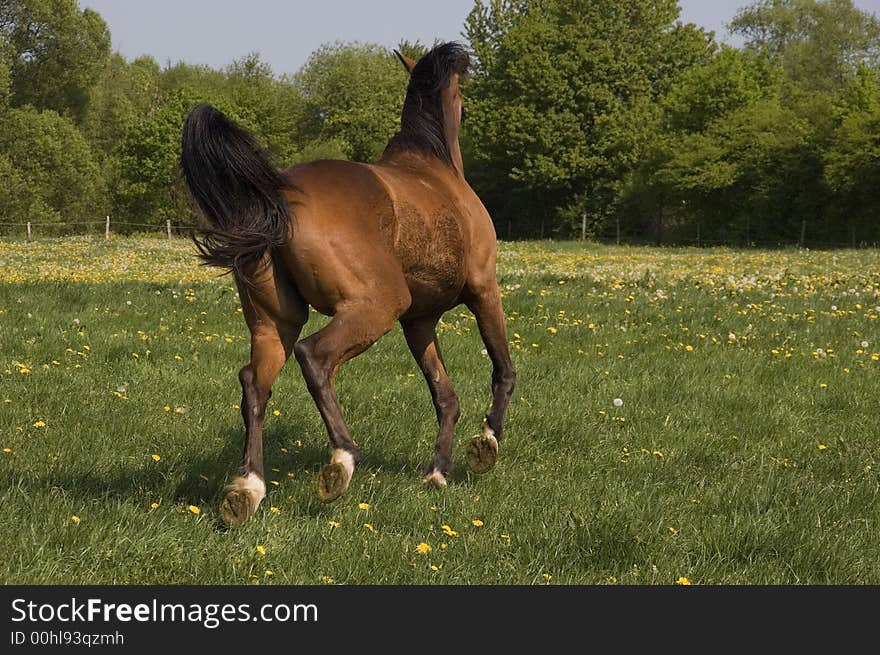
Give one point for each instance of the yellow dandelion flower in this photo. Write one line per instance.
(156, 457)
(505, 536)
(40, 424)
(449, 532)
(276, 412)
(477, 523)
(326, 579)
(552, 330)
(423, 548)
(369, 526)
(75, 519)
(270, 572)
(822, 446)
(547, 576)
(823, 386)
(167, 408)
(194, 509)
(274, 510)
(154, 505)
(7, 450)
(261, 550)
(333, 524)
(364, 506)
(442, 546)
(434, 567)
(658, 453)
(683, 581)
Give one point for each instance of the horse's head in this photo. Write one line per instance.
(432, 110)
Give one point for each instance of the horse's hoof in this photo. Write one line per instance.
(482, 453)
(332, 481)
(435, 479)
(238, 506)
(243, 496)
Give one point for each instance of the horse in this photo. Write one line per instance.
(403, 239)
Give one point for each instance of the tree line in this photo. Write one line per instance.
(603, 118)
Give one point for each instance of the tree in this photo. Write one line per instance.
(48, 169)
(819, 43)
(353, 96)
(273, 109)
(559, 112)
(124, 91)
(852, 162)
(58, 52)
(147, 188)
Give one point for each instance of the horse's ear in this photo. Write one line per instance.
(408, 63)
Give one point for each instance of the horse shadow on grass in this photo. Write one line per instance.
(205, 476)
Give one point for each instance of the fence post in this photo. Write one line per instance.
(168, 228)
(584, 226)
(29, 231)
(107, 229)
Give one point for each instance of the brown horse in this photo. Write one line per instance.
(404, 239)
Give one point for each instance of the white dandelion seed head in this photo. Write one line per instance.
(484, 352)
(76, 321)
(731, 337)
(833, 308)
(864, 344)
(617, 402)
(127, 302)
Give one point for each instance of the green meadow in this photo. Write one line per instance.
(703, 416)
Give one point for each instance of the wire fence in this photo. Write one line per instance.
(34, 229)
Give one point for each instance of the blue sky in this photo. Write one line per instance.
(216, 32)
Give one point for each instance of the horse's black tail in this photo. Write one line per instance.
(236, 188)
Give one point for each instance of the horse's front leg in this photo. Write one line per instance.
(485, 303)
(421, 337)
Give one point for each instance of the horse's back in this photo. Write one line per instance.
(353, 222)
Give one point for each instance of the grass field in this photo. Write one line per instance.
(745, 449)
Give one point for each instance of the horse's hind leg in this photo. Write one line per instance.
(351, 331)
(485, 303)
(421, 338)
(275, 320)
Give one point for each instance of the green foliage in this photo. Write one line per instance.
(353, 94)
(51, 172)
(818, 43)
(557, 108)
(730, 80)
(147, 190)
(768, 143)
(608, 114)
(852, 162)
(58, 52)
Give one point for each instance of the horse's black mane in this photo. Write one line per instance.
(421, 122)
